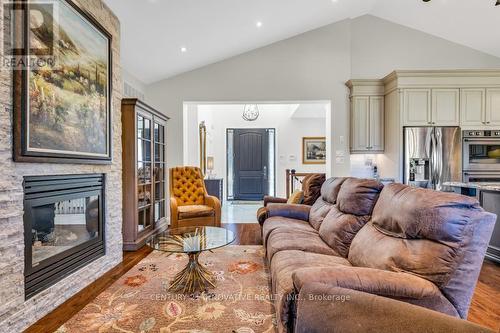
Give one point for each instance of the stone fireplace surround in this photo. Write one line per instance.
(16, 314)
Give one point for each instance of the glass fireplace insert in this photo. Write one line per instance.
(63, 226)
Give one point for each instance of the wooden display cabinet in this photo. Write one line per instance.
(144, 172)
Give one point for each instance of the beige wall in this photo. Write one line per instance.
(312, 66)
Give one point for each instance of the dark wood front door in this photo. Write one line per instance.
(251, 164)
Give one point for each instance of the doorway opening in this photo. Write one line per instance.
(248, 153)
(250, 163)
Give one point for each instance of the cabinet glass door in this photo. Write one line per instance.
(144, 177)
(159, 171)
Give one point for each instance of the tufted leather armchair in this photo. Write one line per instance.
(190, 204)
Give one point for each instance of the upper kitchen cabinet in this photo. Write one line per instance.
(492, 117)
(431, 107)
(367, 116)
(417, 107)
(480, 108)
(445, 107)
(473, 107)
(376, 124)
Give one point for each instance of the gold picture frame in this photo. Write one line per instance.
(314, 150)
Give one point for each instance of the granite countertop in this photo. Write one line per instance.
(480, 186)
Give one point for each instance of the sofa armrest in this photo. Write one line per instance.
(269, 199)
(174, 217)
(373, 281)
(299, 212)
(214, 202)
(324, 308)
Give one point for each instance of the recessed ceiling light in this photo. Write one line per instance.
(334, 1)
(183, 49)
(258, 24)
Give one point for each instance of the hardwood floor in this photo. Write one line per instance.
(68, 309)
(485, 308)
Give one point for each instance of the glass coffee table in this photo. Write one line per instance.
(192, 241)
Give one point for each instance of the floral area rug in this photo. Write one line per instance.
(140, 303)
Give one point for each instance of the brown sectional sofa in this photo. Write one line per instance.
(394, 246)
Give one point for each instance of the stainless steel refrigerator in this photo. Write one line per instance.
(432, 156)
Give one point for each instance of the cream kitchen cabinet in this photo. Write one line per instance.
(376, 124)
(367, 124)
(480, 108)
(473, 107)
(445, 107)
(417, 107)
(435, 107)
(367, 130)
(492, 115)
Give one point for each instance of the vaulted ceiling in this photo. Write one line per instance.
(163, 38)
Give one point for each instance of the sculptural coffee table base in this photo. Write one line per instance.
(194, 277)
(191, 241)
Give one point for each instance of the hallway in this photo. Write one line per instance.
(240, 211)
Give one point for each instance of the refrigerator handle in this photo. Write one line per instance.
(433, 160)
(439, 160)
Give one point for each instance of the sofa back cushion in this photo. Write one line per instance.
(338, 229)
(329, 191)
(311, 185)
(355, 202)
(441, 237)
(358, 196)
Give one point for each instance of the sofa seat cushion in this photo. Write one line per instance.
(397, 285)
(276, 222)
(283, 239)
(194, 211)
(284, 264)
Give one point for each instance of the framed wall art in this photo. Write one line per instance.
(62, 100)
(314, 150)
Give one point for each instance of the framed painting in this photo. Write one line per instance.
(62, 99)
(314, 150)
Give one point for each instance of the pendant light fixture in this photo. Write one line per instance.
(251, 112)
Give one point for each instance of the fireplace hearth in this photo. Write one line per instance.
(63, 227)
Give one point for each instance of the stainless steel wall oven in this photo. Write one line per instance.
(481, 151)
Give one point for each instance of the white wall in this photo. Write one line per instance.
(379, 47)
(312, 66)
(281, 117)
